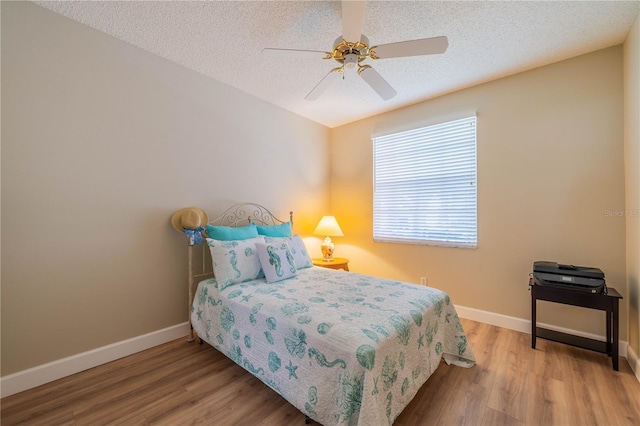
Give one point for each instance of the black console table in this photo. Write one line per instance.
(605, 302)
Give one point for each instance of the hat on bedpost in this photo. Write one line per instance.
(189, 218)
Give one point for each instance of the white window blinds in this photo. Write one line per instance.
(425, 185)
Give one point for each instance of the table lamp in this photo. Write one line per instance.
(328, 227)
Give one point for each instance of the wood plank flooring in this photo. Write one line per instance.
(182, 383)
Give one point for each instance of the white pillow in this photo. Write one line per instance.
(235, 261)
(277, 261)
(298, 250)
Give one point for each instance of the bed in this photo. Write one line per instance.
(344, 348)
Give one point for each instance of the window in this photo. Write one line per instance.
(424, 189)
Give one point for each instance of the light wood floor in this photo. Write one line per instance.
(181, 383)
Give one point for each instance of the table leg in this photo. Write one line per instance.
(609, 345)
(615, 342)
(533, 320)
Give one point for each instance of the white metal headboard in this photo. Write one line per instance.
(245, 213)
(240, 214)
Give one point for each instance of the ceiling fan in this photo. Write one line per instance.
(352, 48)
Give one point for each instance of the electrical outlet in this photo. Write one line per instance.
(423, 281)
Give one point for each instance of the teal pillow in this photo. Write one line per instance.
(283, 230)
(228, 233)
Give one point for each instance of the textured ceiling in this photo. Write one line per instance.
(487, 40)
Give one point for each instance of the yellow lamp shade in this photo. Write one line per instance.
(328, 227)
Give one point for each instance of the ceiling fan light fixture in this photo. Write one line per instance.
(350, 60)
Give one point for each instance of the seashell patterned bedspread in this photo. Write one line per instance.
(344, 348)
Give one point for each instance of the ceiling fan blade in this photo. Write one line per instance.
(314, 54)
(377, 83)
(352, 15)
(423, 46)
(324, 84)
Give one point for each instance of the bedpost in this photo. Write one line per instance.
(190, 221)
(190, 248)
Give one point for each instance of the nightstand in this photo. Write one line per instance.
(338, 263)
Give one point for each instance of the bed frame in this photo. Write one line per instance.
(240, 214)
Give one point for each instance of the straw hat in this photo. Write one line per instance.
(189, 218)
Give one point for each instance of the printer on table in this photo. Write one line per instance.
(570, 277)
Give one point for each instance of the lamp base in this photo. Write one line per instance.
(327, 250)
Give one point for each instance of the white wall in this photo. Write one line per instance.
(101, 143)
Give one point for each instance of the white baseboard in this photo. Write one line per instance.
(36, 376)
(504, 321)
(524, 326)
(634, 362)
